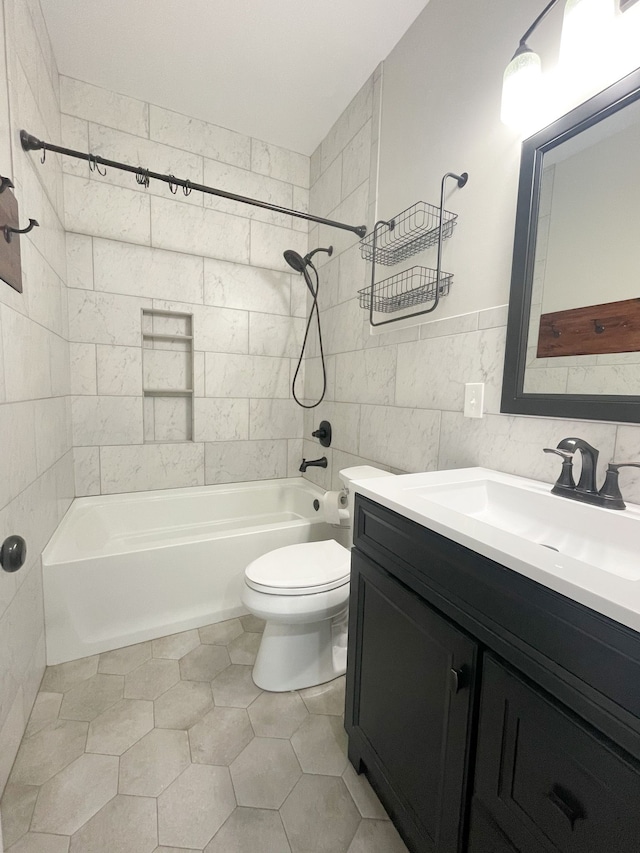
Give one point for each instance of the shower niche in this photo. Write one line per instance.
(167, 375)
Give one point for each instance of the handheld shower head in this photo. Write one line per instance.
(295, 261)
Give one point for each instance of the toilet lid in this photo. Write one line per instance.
(296, 569)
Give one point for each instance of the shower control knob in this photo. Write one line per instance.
(323, 434)
(13, 553)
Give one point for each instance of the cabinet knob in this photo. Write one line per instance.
(13, 553)
(458, 679)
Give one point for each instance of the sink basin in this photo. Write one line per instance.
(588, 553)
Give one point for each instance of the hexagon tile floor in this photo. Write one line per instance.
(169, 746)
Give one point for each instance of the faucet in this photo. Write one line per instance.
(608, 496)
(313, 463)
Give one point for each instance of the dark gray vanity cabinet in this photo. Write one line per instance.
(413, 707)
(490, 714)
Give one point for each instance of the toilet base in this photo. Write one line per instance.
(292, 657)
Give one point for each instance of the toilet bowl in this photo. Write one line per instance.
(302, 593)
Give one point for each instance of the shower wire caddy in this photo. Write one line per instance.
(392, 241)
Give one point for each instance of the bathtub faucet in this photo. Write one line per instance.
(313, 463)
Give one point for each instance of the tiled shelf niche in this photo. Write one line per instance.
(167, 375)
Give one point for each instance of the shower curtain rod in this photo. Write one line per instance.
(32, 143)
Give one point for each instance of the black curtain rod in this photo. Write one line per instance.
(32, 143)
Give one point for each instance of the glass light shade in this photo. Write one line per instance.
(521, 87)
(585, 27)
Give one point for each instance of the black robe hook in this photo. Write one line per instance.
(9, 230)
(6, 184)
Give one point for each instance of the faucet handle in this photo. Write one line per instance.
(610, 491)
(565, 480)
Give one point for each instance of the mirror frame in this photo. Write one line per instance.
(601, 407)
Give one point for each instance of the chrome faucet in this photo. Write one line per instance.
(313, 463)
(608, 496)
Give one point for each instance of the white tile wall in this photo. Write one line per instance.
(36, 484)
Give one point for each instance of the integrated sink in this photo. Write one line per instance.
(586, 552)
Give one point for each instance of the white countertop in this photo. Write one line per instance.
(460, 505)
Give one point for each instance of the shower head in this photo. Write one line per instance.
(295, 261)
(298, 263)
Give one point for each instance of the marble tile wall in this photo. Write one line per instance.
(395, 400)
(130, 248)
(36, 466)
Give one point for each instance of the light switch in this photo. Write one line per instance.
(473, 399)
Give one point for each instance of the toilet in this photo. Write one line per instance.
(302, 593)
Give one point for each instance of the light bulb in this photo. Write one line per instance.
(585, 28)
(521, 88)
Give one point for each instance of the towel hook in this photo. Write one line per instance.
(598, 327)
(6, 184)
(9, 230)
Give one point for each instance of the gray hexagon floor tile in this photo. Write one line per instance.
(37, 842)
(17, 806)
(264, 773)
(63, 676)
(249, 831)
(319, 816)
(151, 679)
(50, 750)
(325, 698)
(204, 663)
(244, 649)
(321, 745)
(222, 633)
(234, 687)
(87, 700)
(277, 714)
(195, 806)
(120, 726)
(176, 646)
(125, 824)
(183, 704)
(252, 624)
(123, 661)
(75, 794)
(363, 795)
(220, 736)
(45, 710)
(377, 836)
(152, 764)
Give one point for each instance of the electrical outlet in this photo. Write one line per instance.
(473, 399)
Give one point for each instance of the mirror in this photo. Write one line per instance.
(573, 334)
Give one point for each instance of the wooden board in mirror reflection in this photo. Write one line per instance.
(594, 330)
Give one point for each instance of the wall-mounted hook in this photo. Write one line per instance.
(9, 230)
(6, 184)
(555, 332)
(598, 327)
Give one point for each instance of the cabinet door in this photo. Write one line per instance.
(545, 774)
(410, 694)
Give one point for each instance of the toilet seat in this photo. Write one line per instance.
(303, 569)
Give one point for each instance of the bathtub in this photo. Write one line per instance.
(121, 569)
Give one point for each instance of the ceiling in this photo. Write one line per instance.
(278, 70)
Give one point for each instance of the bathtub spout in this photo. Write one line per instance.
(313, 463)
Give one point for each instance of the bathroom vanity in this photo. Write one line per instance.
(491, 713)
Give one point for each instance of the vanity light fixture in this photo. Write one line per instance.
(583, 22)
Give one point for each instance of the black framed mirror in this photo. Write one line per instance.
(573, 332)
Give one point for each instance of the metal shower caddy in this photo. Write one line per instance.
(392, 241)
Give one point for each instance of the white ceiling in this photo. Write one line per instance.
(278, 70)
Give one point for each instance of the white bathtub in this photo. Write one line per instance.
(121, 569)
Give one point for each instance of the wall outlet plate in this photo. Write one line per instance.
(474, 399)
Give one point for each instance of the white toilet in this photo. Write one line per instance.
(302, 592)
